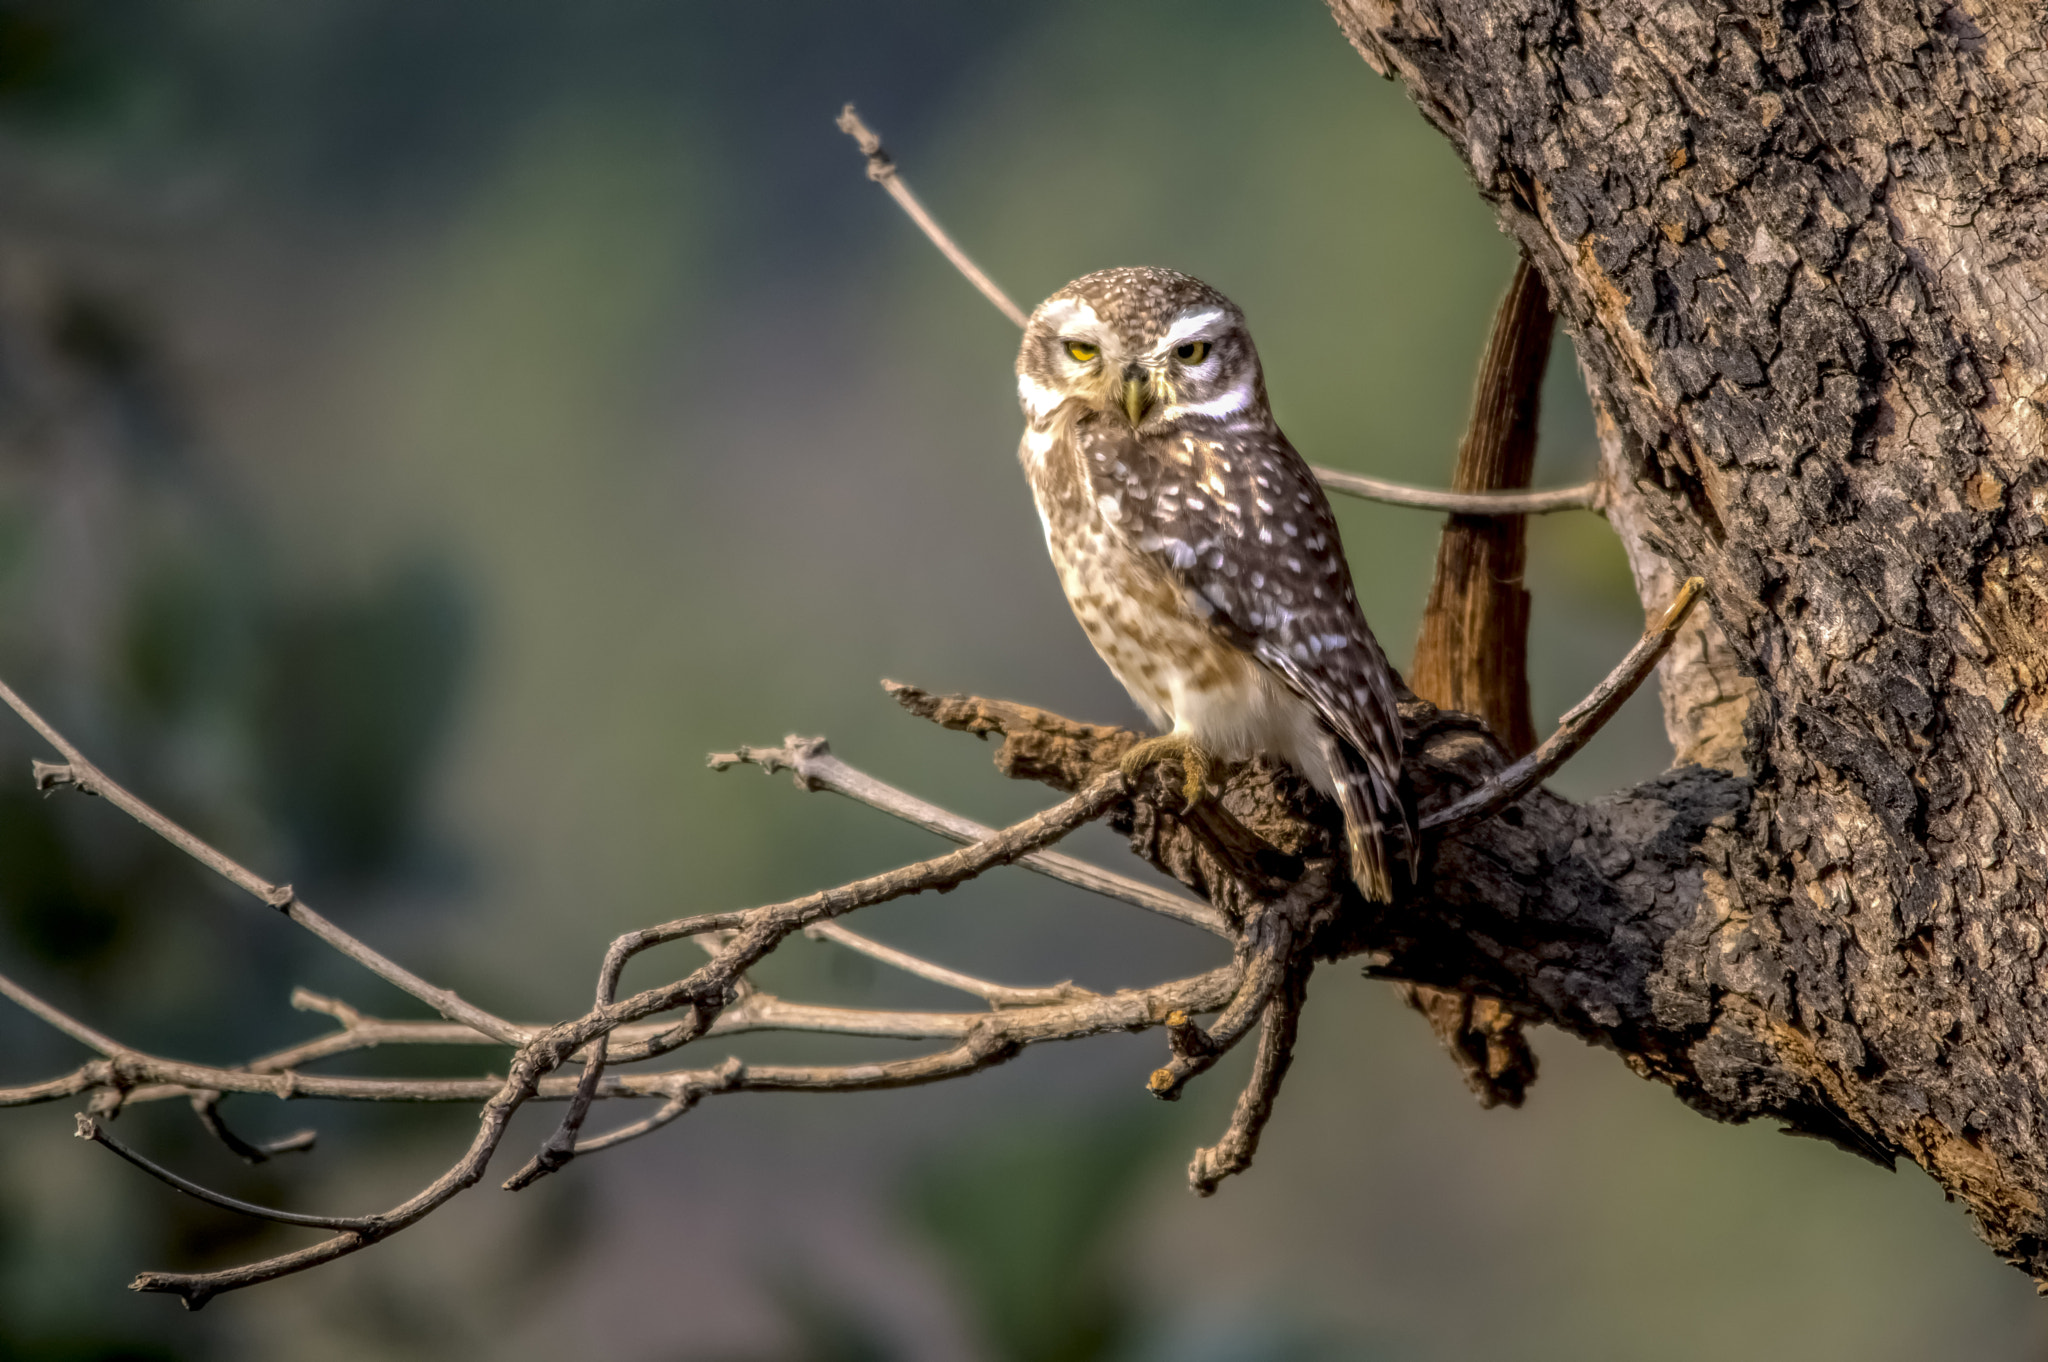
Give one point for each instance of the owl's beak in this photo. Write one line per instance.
(1137, 396)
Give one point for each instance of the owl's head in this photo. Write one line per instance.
(1148, 346)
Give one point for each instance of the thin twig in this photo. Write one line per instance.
(816, 768)
(1576, 727)
(69, 1025)
(79, 773)
(89, 1129)
(997, 995)
(1271, 941)
(206, 1106)
(882, 170)
(1586, 496)
(1278, 1029)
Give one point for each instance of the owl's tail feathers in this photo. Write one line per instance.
(1367, 840)
(1372, 809)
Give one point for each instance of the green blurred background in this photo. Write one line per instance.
(427, 428)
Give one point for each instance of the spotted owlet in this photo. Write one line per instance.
(1198, 550)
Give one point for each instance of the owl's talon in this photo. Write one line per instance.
(1177, 746)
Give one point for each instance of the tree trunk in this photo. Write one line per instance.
(1804, 251)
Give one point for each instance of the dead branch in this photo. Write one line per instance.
(1472, 654)
(78, 773)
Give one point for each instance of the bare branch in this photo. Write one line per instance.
(80, 774)
(816, 768)
(70, 1026)
(1586, 496)
(997, 995)
(1576, 727)
(882, 170)
(89, 1129)
(1279, 1027)
(206, 1106)
(1271, 944)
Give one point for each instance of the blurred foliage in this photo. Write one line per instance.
(1024, 1218)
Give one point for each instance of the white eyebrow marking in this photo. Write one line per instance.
(1053, 314)
(1186, 325)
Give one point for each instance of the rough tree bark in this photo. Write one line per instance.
(1804, 252)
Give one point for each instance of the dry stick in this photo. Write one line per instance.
(1575, 728)
(1266, 950)
(1584, 496)
(79, 773)
(89, 1129)
(1472, 653)
(996, 995)
(882, 170)
(70, 1026)
(206, 1106)
(1281, 1024)
(1587, 496)
(815, 768)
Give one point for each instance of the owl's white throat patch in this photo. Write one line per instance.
(1039, 400)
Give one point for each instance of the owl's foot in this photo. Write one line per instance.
(1180, 746)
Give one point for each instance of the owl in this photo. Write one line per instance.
(1198, 551)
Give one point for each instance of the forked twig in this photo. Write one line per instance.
(1279, 1026)
(706, 992)
(816, 768)
(1586, 496)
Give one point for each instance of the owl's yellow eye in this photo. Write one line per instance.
(1194, 352)
(1082, 351)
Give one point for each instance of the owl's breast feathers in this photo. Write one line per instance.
(1208, 549)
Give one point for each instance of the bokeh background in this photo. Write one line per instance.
(427, 428)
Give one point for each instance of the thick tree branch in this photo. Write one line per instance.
(1800, 249)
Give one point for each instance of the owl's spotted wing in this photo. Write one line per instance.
(1235, 518)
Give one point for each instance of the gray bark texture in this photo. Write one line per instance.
(1803, 248)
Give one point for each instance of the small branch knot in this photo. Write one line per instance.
(55, 775)
(1185, 1039)
(880, 164)
(279, 896)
